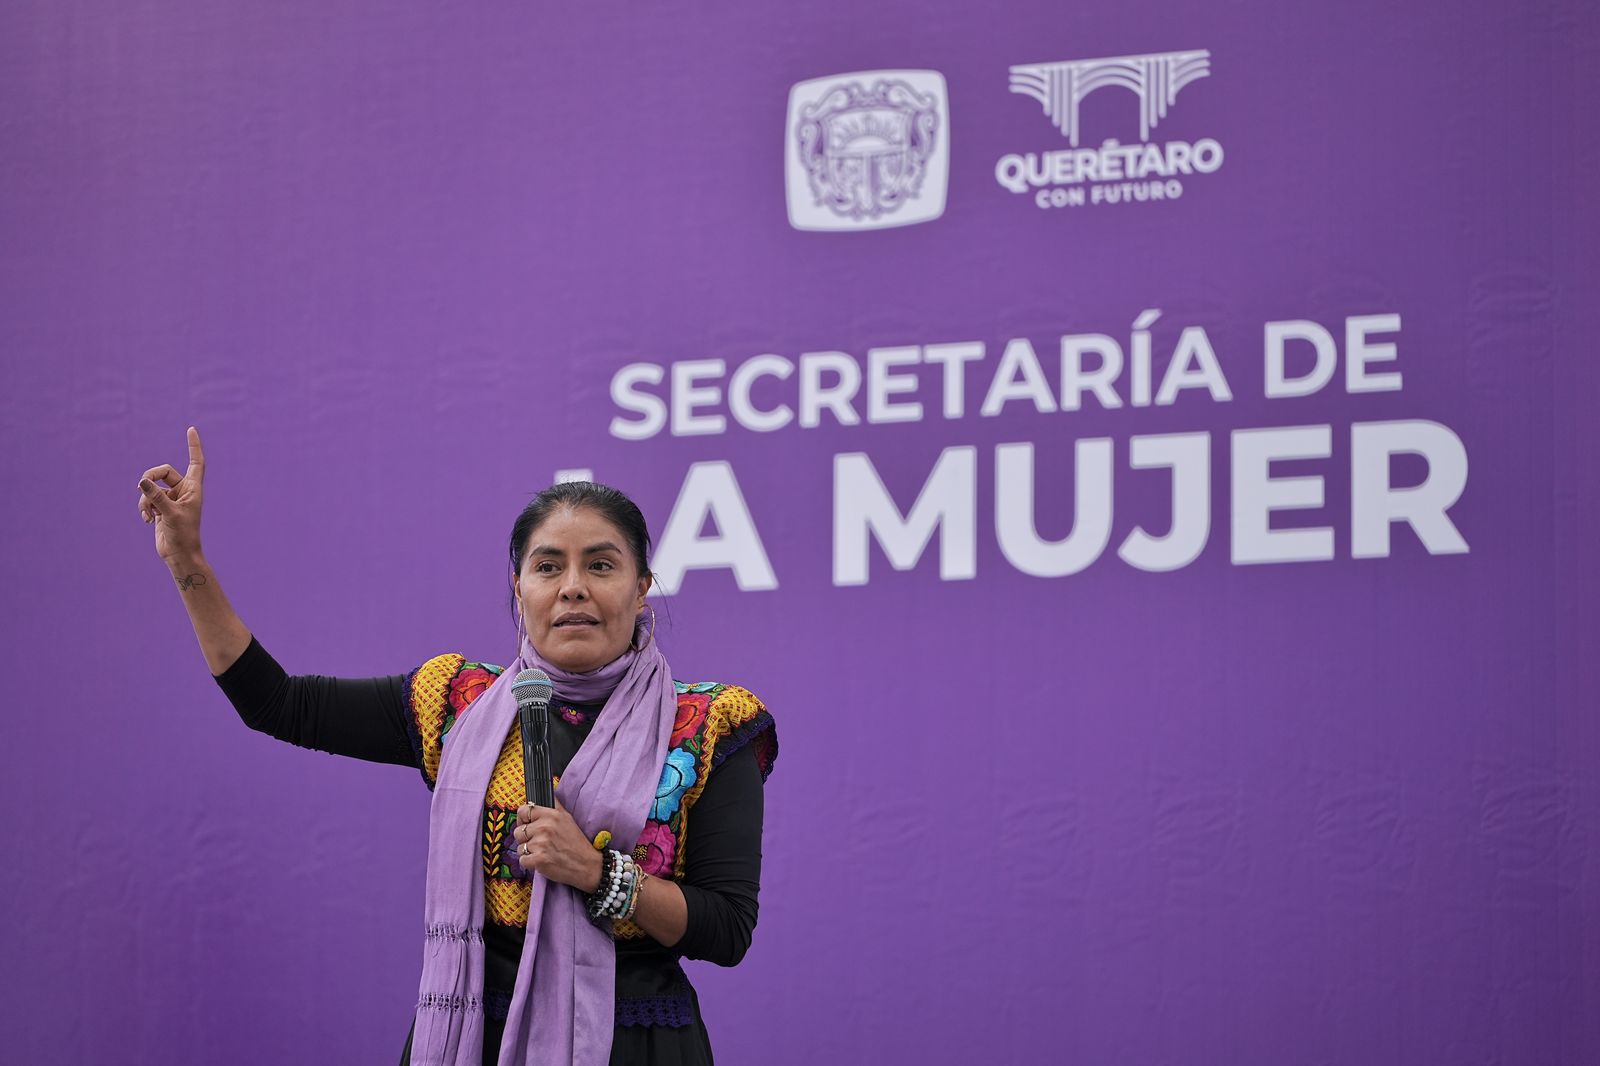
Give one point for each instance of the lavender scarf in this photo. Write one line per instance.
(562, 1009)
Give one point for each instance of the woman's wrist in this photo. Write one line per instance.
(597, 868)
(184, 563)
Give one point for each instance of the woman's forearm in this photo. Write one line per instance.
(172, 504)
(662, 911)
(222, 634)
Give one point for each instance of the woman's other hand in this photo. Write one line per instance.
(172, 504)
(549, 841)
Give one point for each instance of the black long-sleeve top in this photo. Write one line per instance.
(370, 718)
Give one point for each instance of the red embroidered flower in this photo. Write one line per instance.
(659, 847)
(468, 685)
(692, 708)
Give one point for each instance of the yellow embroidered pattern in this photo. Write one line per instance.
(506, 897)
(430, 688)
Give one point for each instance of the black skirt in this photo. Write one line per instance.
(655, 1045)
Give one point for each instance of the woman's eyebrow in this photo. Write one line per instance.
(593, 549)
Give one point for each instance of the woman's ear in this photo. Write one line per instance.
(644, 590)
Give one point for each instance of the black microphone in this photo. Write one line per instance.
(533, 691)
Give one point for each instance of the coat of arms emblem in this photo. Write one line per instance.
(865, 150)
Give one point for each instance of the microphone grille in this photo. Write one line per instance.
(533, 684)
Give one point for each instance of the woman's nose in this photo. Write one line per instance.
(572, 586)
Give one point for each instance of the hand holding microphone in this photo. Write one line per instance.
(548, 840)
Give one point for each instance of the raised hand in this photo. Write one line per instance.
(172, 504)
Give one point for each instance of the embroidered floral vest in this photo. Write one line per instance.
(713, 722)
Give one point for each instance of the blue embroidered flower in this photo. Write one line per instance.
(677, 776)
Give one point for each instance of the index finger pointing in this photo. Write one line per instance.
(197, 456)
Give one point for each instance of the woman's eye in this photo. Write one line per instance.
(545, 568)
(601, 564)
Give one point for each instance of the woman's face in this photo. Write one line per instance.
(579, 590)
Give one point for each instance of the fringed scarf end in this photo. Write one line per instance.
(469, 934)
(438, 1001)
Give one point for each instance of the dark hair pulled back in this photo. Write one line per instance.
(611, 504)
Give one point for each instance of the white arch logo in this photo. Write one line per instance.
(1155, 79)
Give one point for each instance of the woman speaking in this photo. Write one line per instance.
(550, 934)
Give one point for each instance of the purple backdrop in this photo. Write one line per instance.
(391, 259)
